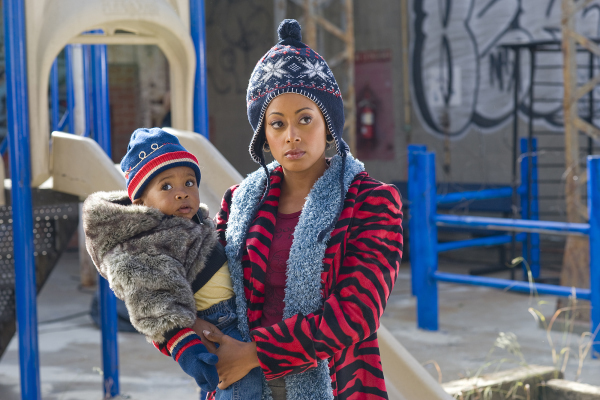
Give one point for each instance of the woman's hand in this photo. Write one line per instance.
(201, 326)
(236, 358)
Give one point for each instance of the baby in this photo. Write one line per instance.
(158, 249)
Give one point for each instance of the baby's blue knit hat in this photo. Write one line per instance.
(150, 152)
(293, 67)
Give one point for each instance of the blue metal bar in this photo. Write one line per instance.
(198, 32)
(593, 167)
(413, 227)
(423, 251)
(54, 95)
(22, 210)
(524, 193)
(477, 195)
(108, 305)
(3, 146)
(513, 286)
(70, 88)
(100, 95)
(505, 224)
(480, 242)
(86, 54)
(534, 263)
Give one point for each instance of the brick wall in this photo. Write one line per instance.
(125, 113)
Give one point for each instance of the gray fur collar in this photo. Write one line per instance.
(110, 219)
(305, 264)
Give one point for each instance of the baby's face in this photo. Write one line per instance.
(174, 192)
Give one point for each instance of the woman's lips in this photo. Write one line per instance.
(185, 209)
(294, 154)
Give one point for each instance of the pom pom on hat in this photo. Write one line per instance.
(289, 29)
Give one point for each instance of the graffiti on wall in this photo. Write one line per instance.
(462, 79)
(240, 32)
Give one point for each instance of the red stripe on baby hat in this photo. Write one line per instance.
(159, 162)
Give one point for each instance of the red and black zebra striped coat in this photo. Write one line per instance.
(359, 271)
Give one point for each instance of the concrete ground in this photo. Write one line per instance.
(471, 319)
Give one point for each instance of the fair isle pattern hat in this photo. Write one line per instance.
(293, 67)
(150, 152)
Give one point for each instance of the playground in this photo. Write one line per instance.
(445, 320)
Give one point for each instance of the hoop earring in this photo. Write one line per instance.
(266, 148)
(329, 141)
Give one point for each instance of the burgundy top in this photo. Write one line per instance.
(277, 267)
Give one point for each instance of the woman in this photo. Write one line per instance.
(314, 245)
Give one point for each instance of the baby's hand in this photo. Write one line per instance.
(201, 325)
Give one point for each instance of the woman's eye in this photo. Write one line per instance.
(276, 124)
(305, 120)
(190, 183)
(166, 187)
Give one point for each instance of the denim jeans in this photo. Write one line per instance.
(223, 316)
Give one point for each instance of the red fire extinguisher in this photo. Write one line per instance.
(366, 114)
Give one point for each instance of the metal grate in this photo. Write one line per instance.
(53, 227)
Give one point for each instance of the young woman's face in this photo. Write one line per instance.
(295, 130)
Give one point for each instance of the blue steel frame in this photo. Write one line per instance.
(424, 246)
(529, 204)
(108, 303)
(54, 98)
(198, 32)
(22, 211)
(450, 198)
(70, 89)
(18, 142)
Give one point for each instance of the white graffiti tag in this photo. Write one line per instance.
(462, 77)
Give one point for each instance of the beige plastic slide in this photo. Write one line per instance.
(52, 24)
(80, 167)
(405, 377)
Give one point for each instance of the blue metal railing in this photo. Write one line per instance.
(530, 253)
(476, 195)
(529, 203)
(54, 96)
(198, 32)
(424, 247)
(68, 118)
(20, 173)
(108, 304)
(70, 114)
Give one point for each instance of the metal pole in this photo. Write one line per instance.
(593, 166)
(108, 305)
(530, 152)
(198, 31)
(22, 214)
(54, 95)
(524, 193)
(423, 244)
(70, 89)
(534, 212)
(515, 136)
(413, 226)
(591, 103)
(86, 88)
